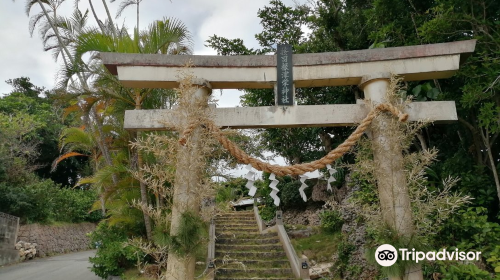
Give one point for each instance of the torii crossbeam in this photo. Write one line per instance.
(310, 70)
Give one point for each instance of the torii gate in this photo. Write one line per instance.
(370, 69)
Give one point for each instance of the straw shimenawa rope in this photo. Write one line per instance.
(297, 169)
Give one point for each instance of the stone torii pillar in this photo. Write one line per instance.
(187, 181)
(391, 179)
(361, 67)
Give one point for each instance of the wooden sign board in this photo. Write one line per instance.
(285, 91)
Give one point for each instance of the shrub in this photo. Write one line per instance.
(471, 230)
(464, 271)
(331, 221)
(344, 252)
(77, 204)
(44, 201)
(268, 211)
(290, 195)
(32, 202)
(113, 255)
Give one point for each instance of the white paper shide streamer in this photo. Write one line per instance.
(274, 192)
(303, 178)
(251, 179)
(332, 171)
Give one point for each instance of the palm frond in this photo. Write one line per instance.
(123, 5)
(63, 157)
(34, 20)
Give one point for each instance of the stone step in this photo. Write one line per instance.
(250, 255)
(242, 241)
(243, 235)
(251, 248)
(237, 227)
(236, 214)
(233, 226)
(236, 221)
(254, 272)
(280, 263)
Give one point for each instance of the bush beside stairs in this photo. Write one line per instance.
(241, 252)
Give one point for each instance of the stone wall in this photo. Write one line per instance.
(57, 239)
(8, 233)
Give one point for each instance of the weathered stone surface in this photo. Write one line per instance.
(320, 192)
(412, 63)
(8, 234)
(295, 116)
(355, 232)
(49, 240)
(308, 217)
(301, 233)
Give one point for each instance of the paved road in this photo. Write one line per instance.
(72, 266)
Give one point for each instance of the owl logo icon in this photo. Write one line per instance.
(386, 255)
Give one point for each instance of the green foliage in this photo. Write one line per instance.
(331, 221)
(31, 124)
(424, 92)
(191, 235)
(224, 194)
(317, 247)
(289, 193)
(113, 255)
(268, 211)
(226, 46)
(367, 192)
(488, 117)
(464, 272)
(471, 230)
(281, 24)
(342, 263)
(494, 259)
(76, 204)
(44, 202)
(231, 190)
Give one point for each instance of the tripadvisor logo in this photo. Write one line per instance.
(387, 255)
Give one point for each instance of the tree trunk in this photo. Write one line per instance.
(144, 196)
(421, 138)
(475, 139)
(110, 19)
(138, 2)
(96, 18)
(144, 192)
(485, 136)
(188, 174)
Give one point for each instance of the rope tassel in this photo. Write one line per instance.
(274, 192)
(250, 176)
(303, 178)
(331, 179)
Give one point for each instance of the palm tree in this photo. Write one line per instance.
(48, 19)
(126, 3)
(166, 36)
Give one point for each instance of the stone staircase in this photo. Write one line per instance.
(241, 252)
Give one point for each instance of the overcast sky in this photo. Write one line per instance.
(22, 55)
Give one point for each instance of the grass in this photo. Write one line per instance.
(318, 247)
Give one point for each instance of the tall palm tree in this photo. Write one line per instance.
(166, 36)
